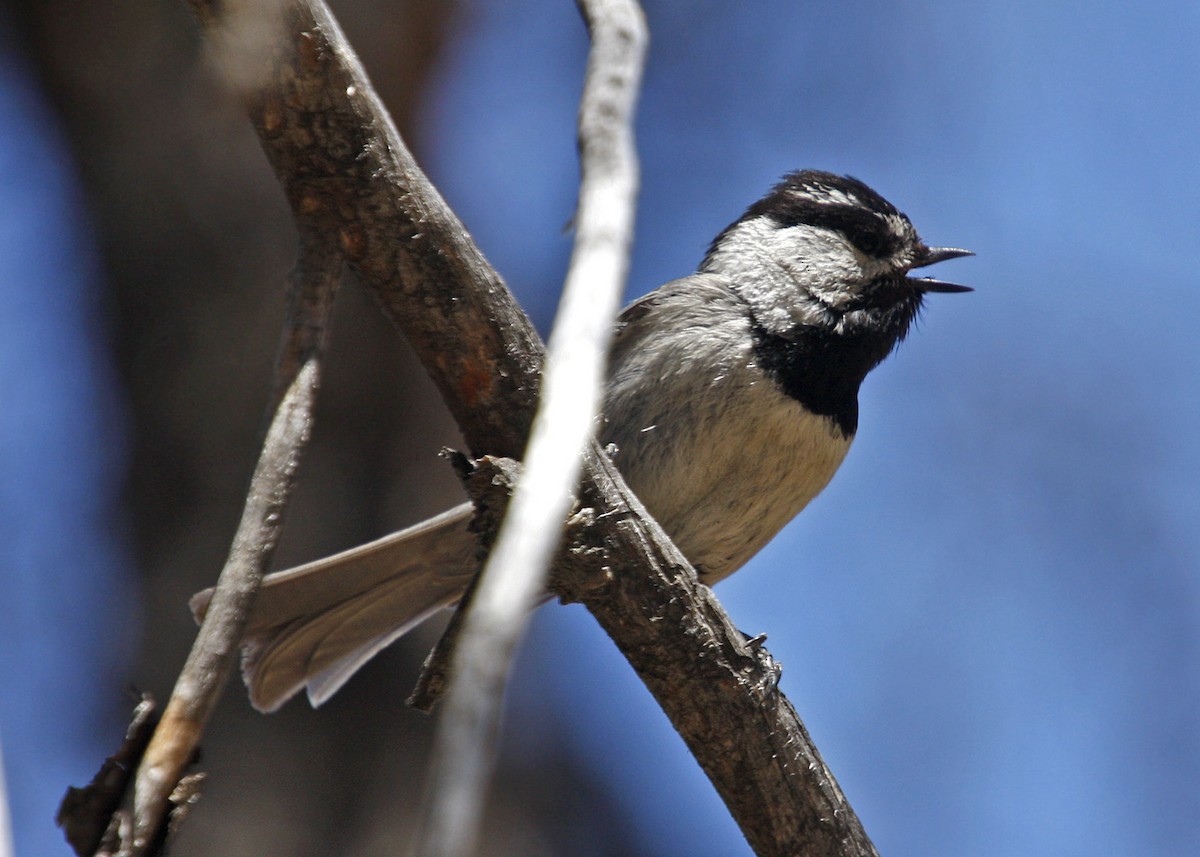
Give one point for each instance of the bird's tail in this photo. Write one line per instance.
(316, 624)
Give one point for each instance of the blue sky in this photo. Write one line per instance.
(65, 599)
(990, 621)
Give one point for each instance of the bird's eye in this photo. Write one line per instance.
(870, 234)
(871, 242)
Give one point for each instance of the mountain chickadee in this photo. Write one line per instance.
(732, 399)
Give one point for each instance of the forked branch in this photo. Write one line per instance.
(346, 170)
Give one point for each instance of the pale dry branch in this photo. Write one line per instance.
(6, 840)
(572, 387)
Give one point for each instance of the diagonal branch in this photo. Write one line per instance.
(340, 159)
(214, 653)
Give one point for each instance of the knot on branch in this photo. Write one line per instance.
(91, 817)
(489, 482)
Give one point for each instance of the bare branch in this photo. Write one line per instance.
(214, 653)
(342, 163)
(572, 388)
(341, 160)
(720, 692)
(6, 841)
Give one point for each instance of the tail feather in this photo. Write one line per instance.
(322, 652)
(317, 624)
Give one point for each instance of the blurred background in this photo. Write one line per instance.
(990, 622)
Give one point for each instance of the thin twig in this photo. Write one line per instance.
(214, 653)
(6, 840)
(572, 385)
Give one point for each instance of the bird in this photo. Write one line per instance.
(731, 400)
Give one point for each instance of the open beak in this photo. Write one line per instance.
(931, 256)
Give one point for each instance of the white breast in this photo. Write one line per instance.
(718, 454)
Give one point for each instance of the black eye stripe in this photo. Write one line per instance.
(842, 203)
(864, 229)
